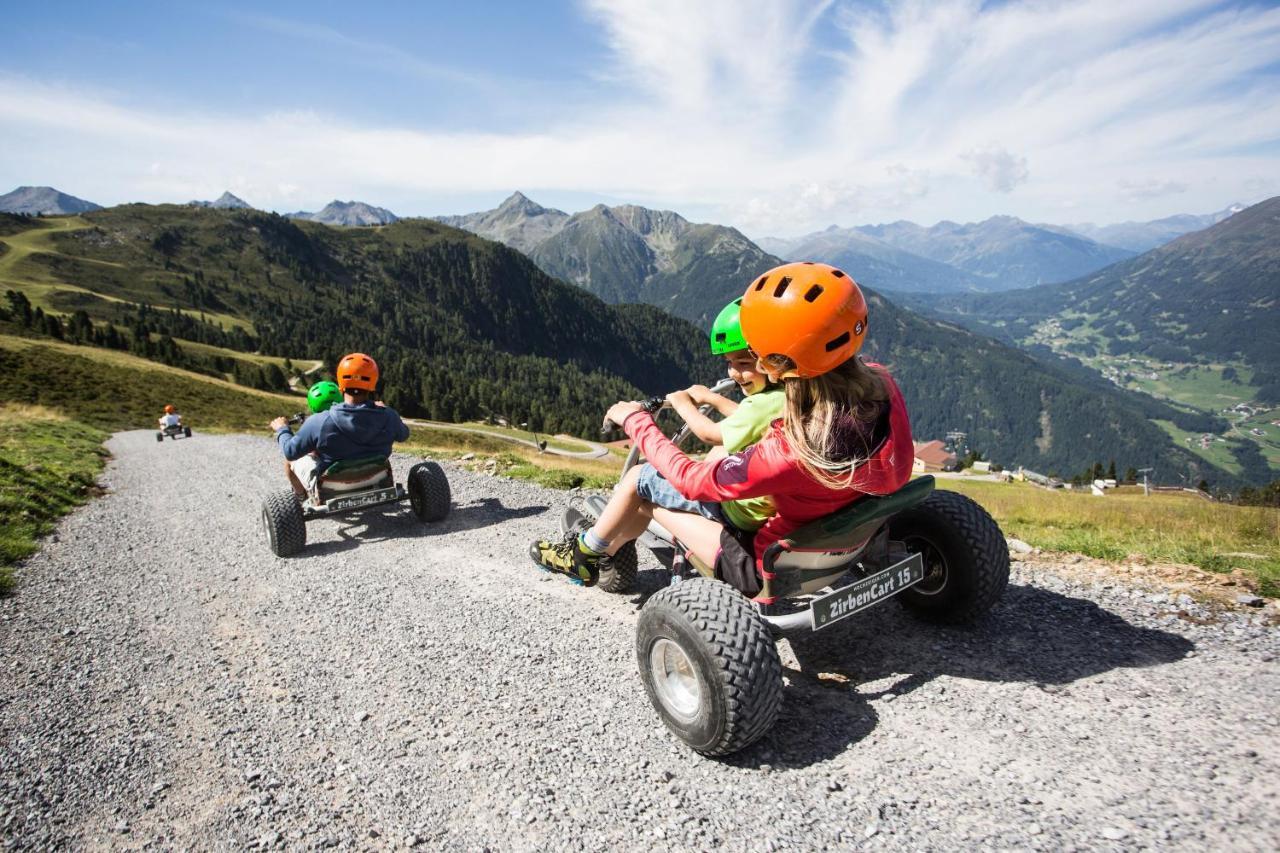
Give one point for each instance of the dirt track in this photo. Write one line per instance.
(166, 682)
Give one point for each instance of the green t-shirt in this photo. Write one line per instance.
(742, 429)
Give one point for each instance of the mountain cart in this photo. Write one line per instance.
(707, 654)
(350, 487)
(175, 432)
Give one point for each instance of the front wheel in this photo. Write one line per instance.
(283, 523)
(966, 561)
(186, 431)
(160, 437)
(709, 665)
(429, 492)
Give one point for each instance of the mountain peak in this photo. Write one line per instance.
(352, 213)
(43, 201)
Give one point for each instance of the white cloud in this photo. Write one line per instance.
(1151, 188)
(1000, 171)
(777, 117)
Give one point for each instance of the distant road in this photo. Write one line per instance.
(596, 451)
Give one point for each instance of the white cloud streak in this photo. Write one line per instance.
(745, 113)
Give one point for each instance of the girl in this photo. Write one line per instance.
(844, 432)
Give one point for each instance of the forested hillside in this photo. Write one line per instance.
(462, 327)
(465, 327)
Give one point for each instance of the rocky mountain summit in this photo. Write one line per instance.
(1144, 236)
(518, 222)
(44, 201)
(349, 213)
(226, 201)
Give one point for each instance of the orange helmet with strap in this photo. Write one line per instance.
(169, 410)
(359, 371)
(813, 314)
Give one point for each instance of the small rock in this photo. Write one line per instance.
(464, 457)
(1034, 829)
(122, 826)
(1112, 833)
(1018, 546)
(1250, 600)
(872, 829)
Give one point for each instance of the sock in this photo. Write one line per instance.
(591, 542)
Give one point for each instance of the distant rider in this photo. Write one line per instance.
(170, 418)
(358, 427)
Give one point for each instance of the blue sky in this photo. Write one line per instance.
(778, 117)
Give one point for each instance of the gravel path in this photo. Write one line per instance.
(167, 683)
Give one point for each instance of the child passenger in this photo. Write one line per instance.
(843, 432)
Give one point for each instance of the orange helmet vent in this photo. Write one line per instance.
(357, 370)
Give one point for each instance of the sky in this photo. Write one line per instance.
(778, 118)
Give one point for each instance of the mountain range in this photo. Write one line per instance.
(349, 213)
(628, 253)
(43, 201)
(1144, 236)
(464, 327)
(1208, 295)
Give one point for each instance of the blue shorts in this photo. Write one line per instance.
(654, 488)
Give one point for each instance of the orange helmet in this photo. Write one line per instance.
(813, 314)
(357, 370)
(169, 410)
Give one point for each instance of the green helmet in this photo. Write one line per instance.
(726, 331)
(323, 395)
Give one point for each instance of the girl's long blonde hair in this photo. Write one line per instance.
(815, 410)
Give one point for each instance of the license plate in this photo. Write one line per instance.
(364, 499)
(862, 594)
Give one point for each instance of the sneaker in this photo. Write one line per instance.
(568, 557)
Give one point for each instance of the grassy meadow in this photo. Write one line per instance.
(1165, 527)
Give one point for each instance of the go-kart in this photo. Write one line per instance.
(175, 432)
(351, 486)
(707, 653)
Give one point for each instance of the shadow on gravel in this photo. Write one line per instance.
(399, 522)
(1036, 636)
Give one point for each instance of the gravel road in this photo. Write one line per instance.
(167, 683)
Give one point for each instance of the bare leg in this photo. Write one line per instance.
(298, 488)
(698, 534)
(626, 515)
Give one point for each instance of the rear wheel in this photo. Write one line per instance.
(709, 665)
(429, 493)
(966, 561)
(282, 520)
(186, 431)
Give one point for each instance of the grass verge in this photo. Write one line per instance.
(48, 466)
(1176, 527)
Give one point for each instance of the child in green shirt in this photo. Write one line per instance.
(744, 424)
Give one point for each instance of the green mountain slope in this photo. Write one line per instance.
(462, 326)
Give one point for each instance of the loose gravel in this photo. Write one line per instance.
(168, 683)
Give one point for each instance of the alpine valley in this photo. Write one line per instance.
(467, 327)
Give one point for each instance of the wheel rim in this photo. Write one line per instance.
(267, 528)
(935, 566)
(674, 679)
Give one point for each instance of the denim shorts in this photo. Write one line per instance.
(654, 488)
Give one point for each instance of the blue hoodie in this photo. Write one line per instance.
(345, 431)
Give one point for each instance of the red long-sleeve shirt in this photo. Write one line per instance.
(767, 468)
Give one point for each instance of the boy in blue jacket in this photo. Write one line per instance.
(355, 428)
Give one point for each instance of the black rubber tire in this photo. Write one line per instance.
(732, 654)
(966, 558)
(282, 520)
(429, 493)
(617, 573)
(160, 437)
(186, 431)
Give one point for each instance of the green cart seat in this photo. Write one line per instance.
(817, 554)
(354, 475)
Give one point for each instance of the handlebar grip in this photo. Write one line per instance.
(651, 405)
